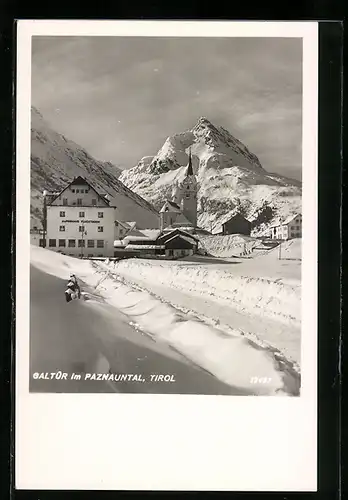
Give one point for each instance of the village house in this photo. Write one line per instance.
(287, 229)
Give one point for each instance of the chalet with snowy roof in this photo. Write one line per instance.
(289, 228)
(79, 221)
(154, 244)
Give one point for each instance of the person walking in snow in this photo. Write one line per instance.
(76, 286)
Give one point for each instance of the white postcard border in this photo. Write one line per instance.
(167, 442)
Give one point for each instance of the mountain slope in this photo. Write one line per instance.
(230, 177)
(55, 161)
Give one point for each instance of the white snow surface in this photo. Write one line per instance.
(228, 175)
(233, 358)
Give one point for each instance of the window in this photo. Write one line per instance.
(121, 231)
(61, 228)
(100, 243)
(35, 228)
(81, 229)
(73, 190)
(61, 243)
(86, 190)
(41, 242)
(187, 196)
(116, 223)
(90, 243)
(65, 201)
(77, 190)
(100, 215)
(81, 214)
(94, 201)
(100, 229)
(71, 243)
(81, 243)
(52, 243)
(79, 201)
(61, 214)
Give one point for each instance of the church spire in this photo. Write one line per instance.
(189, 170)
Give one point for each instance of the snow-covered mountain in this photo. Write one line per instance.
(55, 161)
(229, 176)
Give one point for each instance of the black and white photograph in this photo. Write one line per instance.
(167, 215)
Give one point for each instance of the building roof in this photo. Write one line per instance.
(151, 233)
(166, 235)
(232, 216)
(189, 170)
(119, 244)
(79, 181)
(144, 247)
(278, 222)
(173, 206)
(181, 236)
(290, 218)
(142, 237)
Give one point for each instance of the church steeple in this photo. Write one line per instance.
(189, 170)
(188, 187)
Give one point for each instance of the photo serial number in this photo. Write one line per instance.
(106, 377)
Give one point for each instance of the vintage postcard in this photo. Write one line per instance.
(166, 255)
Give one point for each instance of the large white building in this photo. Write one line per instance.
(80, 221)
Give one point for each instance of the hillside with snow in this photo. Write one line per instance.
(229, 176)
(55, 161)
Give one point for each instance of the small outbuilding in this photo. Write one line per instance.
(237, 224)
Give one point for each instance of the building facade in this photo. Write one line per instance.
(290, 228)
(80, 221)
(237, 225)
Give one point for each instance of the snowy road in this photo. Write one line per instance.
(93, 337)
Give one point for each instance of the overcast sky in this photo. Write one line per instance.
(120, 98)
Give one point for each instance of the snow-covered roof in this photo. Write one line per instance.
(144, 247)
(151, 233)
(177, 231)
(182, 237)
(232, 215)
(291, 218)
(142, 237)
(174, 207)
(119, 243)
(279, 222)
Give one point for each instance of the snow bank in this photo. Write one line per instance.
(276, 299)
(227, 245)
(234, 360)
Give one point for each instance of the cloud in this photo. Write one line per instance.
(121, 97)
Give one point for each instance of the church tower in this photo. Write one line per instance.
(189, 194)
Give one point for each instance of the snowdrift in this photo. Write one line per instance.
(233, 360)
(276, 299)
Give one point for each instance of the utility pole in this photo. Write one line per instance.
(44, 223)
(84, 233)
(280, 250)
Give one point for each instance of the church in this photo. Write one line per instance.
(181, 210)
